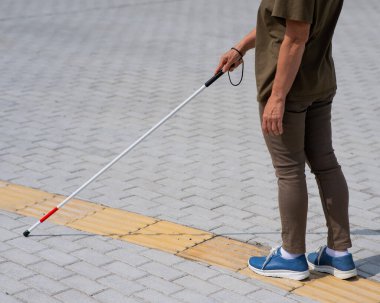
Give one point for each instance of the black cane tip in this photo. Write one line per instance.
(26, 233)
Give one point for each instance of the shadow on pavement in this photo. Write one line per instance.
(369, 267)
(366, 232)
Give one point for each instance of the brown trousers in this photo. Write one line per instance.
(307, 139)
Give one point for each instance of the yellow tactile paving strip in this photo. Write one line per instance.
(189, 243)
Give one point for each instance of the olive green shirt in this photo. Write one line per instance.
(316, 77)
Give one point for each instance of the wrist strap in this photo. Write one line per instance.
(235, 49)
(242, 68)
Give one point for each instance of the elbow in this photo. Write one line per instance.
(297, 33)
(297, 40)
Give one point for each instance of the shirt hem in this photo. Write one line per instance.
(329, 94)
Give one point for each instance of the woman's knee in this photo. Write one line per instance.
(290, 171)
(323, 162)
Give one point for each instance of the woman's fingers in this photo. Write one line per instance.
(279, 126)
(231, 64)
(223, 60)
(275, 130)
(267, 125)
(272, 117)
(272, 125)
(228, 62)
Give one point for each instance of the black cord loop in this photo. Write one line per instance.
(242, 68)
(235, 49)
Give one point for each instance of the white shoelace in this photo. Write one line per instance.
(319, 252)
(269, 257)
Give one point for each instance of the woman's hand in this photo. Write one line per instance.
(272, 116)
(232, 59)
(229, 61)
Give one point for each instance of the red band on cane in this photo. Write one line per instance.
(48, 214)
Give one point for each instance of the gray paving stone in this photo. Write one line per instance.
(51, 270)
(4, 247)
(167, 213)
(233, 284)
(190, 296)
(229, 296)
(27, 244)
(129, 257)
(64, 245)
(92, 257)
(211, 155)
(9, 223)
(265, 296)
(98, 244)
(371, 269)
(362, 254)
(20, 257)
(203, 202)
(44, 284)
(87, 270)
(367, 243)
(150, 295)
(62, 231)
(8, 214)
(159, 284)
(233, 211)
(198, 270)
(124, 270)
(121, 284)
(10, 285)
(112, 296)
(193, 220)
(201, 212)
(7, 235)
(4, 298)
(299, 298)
(233, 221)
(162, 257)
(15, 270)
(235, 233)
(161, 271)
(34, 296)
(58, 257)
(127, 246)
(198, 285)
(84, 284)
(74, 296)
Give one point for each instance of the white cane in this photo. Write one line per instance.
(122, 154)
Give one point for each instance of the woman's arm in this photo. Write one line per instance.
(288, 64)
(247, 43)
(232, 57)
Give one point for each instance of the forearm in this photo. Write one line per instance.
(288, 64)
(247, 43)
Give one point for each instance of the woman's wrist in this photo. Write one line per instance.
(241, 48)
(238, 51)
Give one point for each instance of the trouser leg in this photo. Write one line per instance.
(330, 179)
(288, 158)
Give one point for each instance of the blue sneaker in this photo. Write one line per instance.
(340, 267)
(274, 265)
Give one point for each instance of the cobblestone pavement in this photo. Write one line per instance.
(78, 267)
(81, 80)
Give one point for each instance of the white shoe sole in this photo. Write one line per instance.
(333, 271)
(289, 274)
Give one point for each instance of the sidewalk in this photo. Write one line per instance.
(83, 80)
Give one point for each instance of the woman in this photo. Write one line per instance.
(296, 84)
